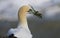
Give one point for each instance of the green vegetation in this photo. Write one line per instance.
(34, 12)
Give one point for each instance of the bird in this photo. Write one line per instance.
(22, 31)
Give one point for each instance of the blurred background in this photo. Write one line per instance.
(47, 27)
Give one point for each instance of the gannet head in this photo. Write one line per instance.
(23, 10)
(27, 8)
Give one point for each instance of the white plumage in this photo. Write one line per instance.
(20, 32)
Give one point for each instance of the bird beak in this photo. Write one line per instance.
(34, 12)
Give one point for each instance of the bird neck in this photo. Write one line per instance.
(23, 20)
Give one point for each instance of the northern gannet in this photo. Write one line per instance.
(22, 31)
